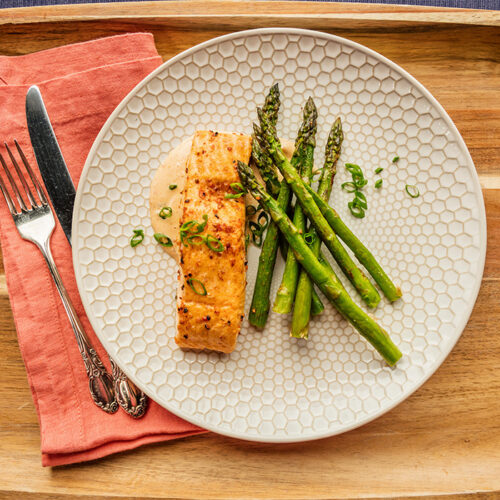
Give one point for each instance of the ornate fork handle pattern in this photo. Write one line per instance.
(100, 381)
(130, 398)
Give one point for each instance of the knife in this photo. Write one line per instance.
(62, 192)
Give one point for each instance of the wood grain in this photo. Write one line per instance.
(444, 439)
(242, 15)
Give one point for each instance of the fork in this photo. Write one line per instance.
(35, 222)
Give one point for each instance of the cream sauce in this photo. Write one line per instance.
(172, 171)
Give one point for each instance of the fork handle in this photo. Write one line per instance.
(132, 400)
(100, 381)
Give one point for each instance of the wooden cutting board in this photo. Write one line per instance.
(445, 439)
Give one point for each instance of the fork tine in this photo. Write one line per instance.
(7, 197)
(13, 184)
(38, 187)
(21, 177)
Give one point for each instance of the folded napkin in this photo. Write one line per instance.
(81, 85)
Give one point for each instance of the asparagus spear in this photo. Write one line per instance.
(266, 168)
(365, 288)
(260, 157)
(391, 291)
(259, 309)
(302, 307)
(317, 306)
(286, 292)
(326, 281)
(272, 104)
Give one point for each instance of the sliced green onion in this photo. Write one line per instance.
(356, 210)
(255, 227)
(412, 191)
(197, 286)
(137, 238)
(250, 210)
(247, 241)
(237, 187)
(358, 205)
(187, 225)
(378, 184)
(211, 240)
(239, 190)
(263, 215)
(163, 240)
(359, 181)
(309, 238)
(395, 159)
(353, 169)
(257, 239)
(360, 199)
(165, 212)
(172, 187)
(201, 226)
(350, 187)
(194, 227)
(378, 170)
(196, 239)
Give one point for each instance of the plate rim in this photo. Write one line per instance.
(270, 31)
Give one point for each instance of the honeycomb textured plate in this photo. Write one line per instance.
(273, 388)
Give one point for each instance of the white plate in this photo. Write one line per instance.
(273, 388)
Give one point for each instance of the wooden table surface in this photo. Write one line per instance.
(445, 438)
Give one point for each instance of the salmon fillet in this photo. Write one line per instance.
(213, 321)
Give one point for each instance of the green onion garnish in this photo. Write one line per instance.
(239, 190)
(359, 181)
(412, 191)
(137, 238)
(187, 225)
(378, 170)
(358, 205)
(255, 228)
(163, 240)
(201, 226)
(263, 215)
(350, 187)
(309, 238)
(197, 286)
(165, 212)
(172, 187)
(250, 210)
(378, 184)
(194, 227)
(196, 239)
(257, 238)
(360, 199)
(395, 159)
(353, 169)
(214, 244)
(356, 210)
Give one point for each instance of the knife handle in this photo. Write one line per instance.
(100, 381)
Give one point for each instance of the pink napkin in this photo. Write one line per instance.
(81, 85)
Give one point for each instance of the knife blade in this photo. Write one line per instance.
(50, 160)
